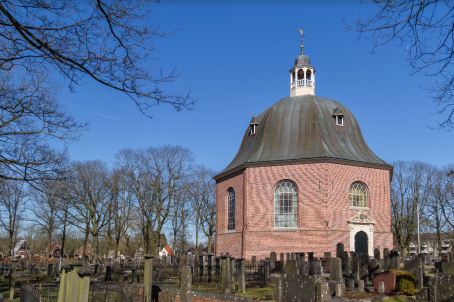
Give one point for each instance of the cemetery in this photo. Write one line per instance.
(288, 277)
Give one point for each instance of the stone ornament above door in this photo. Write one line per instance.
(361, 218)
(361, 223)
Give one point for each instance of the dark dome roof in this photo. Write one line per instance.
(302, 60)
(303, 128)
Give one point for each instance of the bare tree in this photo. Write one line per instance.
(447, 188)
(179, 220)
(426, 29)
(203, 197)
(13, 201)
(45, 208)
(29, 115)
(410, 187)
(108, 42)
(121, 206)
(157, 176)
(434, 209)
(45, 41)
(88, 191)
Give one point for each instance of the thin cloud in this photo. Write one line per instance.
(89, 111)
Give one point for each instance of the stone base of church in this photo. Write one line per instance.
(262, 243)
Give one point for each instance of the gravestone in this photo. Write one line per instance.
(345, 262)
(389, 280)
(418, 271)
(377, 257)
(355, 270)
(335, 269)
(272, 261)
(292, 256)
(317, 267)
(327, 255)
(323, 294)
(439, 266)
(351, 283)
(361, 286)
(279, 267)
(291, 267)
(254, 260)
(394, 260)
(364, 268)
(448, 268)
(423, 261)
(281, 257)
(374, 268)
(299, 288)
(310, 261)
(301, 264)
(386, 260)
(408, 265)
(339, 250)
(288, 257)
(381, 288)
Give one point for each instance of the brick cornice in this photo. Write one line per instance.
(306, 161)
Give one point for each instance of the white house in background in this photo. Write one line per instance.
(166, 251)
(22, 249)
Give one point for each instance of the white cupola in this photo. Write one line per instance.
(302, 78)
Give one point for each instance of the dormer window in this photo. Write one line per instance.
(339, 116)
(253, 128)
(253, 125)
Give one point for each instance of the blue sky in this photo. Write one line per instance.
(235, 56)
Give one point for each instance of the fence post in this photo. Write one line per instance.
(240, 275)
(148, 276)
(83, 288)
(73, 284)
(201, 264)
(65, 274)
(210, 264)
(12, 284)
(225, 273)
(186, 284)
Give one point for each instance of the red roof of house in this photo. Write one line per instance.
(168, 249)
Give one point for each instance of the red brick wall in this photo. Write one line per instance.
(235, 182)
(323, 209)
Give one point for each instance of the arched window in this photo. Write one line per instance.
(231, 209)
(358, 195)
(285, 205)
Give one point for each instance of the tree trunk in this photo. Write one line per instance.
(63, 238)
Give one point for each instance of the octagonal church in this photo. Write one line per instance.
(303, 180)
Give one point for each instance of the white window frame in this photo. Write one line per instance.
(253, 129)
(364, 196)
(285, 217)
(337, 120)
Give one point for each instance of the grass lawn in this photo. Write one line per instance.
(4, 286)
(258, 293)
(396, 299)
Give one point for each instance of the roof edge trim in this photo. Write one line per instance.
(306, 161)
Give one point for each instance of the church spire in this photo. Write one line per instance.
(302, 79)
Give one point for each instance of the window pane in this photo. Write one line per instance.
(358, 195)
(231, 209)
(285, 205)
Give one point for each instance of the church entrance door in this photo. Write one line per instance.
(361, 243)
